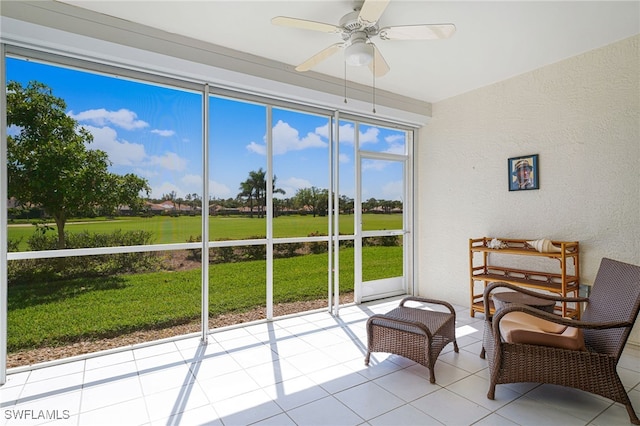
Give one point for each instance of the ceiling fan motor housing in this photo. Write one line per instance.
(350, 24)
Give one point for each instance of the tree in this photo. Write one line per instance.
(195, 200)
(255, 188)
(369, 205)
(315, 198)
(346, 204)
(50, 164)
(170, 196)
(246, 190)
(275, 191)
(258, 182)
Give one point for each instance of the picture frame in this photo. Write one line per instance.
(523, 173)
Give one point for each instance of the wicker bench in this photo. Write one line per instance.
(412, 332)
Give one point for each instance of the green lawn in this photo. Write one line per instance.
(168, 229)
(51, 312)
(58, 312)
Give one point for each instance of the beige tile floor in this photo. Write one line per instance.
(304, 370)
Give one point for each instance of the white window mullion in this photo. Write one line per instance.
(3, 221)
(357, 213)
(205, 216)
(269, 208)
(335, 142)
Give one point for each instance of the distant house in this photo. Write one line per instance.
(19, 210)
(12, 203)
(154, 209)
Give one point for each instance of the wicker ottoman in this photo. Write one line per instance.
(414, 333)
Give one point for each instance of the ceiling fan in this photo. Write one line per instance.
(357, 28)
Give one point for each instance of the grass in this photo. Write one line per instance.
(59, 312)
(168, 229)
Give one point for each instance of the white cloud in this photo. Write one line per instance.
(323, 131)
(396, 144)
(101, 117)
(294, 182)
(120, 152)
(169, 161)
(374, 165)
(187, 184)
(165, 188)
(220, 190)
(395, 138)
(190, 184)
(370, 136)
(393, 190)
(191, 180)
(163, 133)
(310, 141)
(145, 173)
(347, 133)
(344, 158)
(396, 148)
(257, 148)
(345, 130)
(124, 153)
(287, 138)
(291, 186)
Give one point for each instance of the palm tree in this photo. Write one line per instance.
(246, 190)
(255, 187)
(259, 189)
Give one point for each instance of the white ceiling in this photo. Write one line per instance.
(493, 41)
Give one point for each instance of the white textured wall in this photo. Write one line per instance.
(582, 116)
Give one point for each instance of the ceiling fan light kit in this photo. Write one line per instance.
(359, 52)
(357, 29)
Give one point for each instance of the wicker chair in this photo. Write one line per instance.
(610, 313)
(412, 332)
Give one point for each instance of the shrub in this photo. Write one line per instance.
(13, 245)
(317, 247)
(195, 254)
(287, 250)
(258, 252)
(89, 265)
(384, 241)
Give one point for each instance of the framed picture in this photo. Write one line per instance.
(523, 173)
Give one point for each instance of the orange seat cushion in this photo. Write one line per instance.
(520, 327)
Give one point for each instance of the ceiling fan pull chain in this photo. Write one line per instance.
(345, 82)
(374, 85)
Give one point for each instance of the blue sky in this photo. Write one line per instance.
(156, 132)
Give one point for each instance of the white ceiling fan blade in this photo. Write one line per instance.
(417, 32)
(319, 57)
(305, 25)
(372, 10)
(378, 66)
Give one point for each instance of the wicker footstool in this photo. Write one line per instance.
(414, 333)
